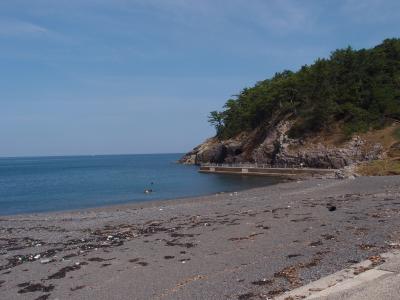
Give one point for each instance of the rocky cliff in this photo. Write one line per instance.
(272, 146)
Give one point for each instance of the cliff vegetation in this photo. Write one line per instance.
(359, 88)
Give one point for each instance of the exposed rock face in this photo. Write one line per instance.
(321, 156)
(212, 151)
(196, 155)
(274, 148)
(214, 154)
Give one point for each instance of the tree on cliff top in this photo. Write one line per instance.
(216, 119)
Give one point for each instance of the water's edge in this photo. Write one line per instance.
(54, 184)
(145, 204)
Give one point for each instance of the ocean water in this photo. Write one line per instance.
(44, 184)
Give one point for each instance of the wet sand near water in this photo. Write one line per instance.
(253, 244)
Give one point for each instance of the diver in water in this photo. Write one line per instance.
(149, 191)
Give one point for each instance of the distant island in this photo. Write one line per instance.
(339, 112)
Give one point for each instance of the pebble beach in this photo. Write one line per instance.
(253, 244)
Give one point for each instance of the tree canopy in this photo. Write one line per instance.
(359, 89)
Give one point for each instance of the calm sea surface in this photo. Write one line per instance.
(61, 183)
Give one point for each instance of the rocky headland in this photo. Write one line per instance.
(273, 147)
(342, 111)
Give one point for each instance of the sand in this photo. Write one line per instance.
(248, 245)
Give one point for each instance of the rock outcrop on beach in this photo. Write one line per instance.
(273, 147)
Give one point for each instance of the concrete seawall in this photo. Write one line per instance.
(257, 171)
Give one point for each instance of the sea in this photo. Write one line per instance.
(44, 184)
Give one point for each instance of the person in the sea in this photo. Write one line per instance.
(148, 191)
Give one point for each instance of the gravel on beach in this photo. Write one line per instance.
(252, 244)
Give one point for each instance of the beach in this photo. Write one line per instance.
(253, 244)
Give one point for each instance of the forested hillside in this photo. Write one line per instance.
(358, 89)
(338, 112)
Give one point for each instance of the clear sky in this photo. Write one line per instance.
(141, 76)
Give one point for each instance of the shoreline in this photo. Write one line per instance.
(255, 243)
(143, 203)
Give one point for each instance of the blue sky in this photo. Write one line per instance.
(141, 76)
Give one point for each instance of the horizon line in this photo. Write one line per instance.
(89, 155)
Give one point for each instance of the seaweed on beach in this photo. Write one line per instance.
(262, 282)
(251, 236)
(290, 274)
(35, 287)
(246, 296)
(105, 265)
(99, 259)
(176, 242)
(63, 272)
(305, 219)
(316, 243)
(276, 292)
(43, 297)
(366, 246)
(20, 259)
(79, 287)
(293, 255)
(13, 244)
(263, 227)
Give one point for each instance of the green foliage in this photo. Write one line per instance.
(396, 134)
(360, 89)
(216, 119)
